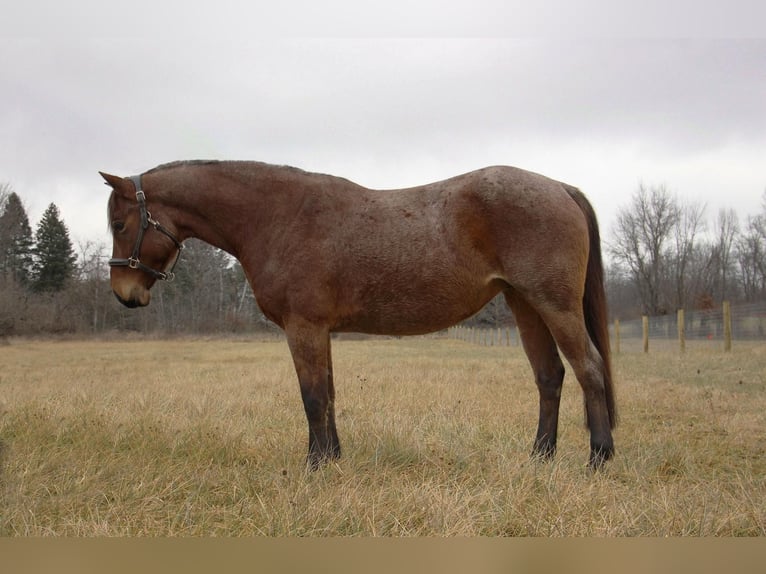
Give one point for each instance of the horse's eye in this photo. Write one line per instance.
(118, 226)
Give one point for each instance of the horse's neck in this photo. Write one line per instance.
(213, 215)
(240, 215)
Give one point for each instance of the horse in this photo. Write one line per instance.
(324, 255)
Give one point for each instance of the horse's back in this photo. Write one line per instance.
(443, 250)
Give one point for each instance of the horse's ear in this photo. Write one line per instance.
(117, 183)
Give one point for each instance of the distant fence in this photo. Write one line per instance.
(718, 327)
(501, 336)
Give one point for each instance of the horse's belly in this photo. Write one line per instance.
(407, 312)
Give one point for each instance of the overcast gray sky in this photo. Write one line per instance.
(601, 114)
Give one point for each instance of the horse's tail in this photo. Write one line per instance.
(594, 300)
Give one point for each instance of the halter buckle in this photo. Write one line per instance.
(133, 262)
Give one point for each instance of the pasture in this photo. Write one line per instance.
(208, 437)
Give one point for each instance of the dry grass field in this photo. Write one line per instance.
(207, 437)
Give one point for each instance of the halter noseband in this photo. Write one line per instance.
(133, 262)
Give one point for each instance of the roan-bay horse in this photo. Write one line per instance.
(325, 255)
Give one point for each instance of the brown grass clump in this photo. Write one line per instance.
(169, 438)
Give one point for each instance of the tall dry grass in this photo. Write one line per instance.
(168, 438)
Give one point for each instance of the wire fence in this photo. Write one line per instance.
(715, 328)
(718, 328)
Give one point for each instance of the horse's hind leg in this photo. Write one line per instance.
(571, 335)
(548, 371)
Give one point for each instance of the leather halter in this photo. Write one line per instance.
(134, 262)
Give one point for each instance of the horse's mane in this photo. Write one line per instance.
(183, 163)
(234, 163)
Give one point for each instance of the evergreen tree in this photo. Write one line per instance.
(15, 241)
(55, 258)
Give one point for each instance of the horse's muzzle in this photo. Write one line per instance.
(131, 303)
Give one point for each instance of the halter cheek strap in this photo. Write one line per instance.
(134, 261)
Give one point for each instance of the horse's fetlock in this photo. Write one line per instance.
(600, 452)
(544, 449)
(316, 410)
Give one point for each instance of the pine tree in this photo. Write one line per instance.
(55, 258)
(15, 241)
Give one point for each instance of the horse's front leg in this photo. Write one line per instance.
(310, 349)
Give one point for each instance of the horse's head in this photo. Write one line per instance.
(143, 250)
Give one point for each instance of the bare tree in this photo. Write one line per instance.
(202, 294)
(727, 230)
(688, 225)
(643, 231)
(751, 258)
(93, 281)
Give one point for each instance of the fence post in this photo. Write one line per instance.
(617, 336)
(645, 326)
(681, 330)
(726, 326)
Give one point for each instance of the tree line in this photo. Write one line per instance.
(663, 255)
(666, 255)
